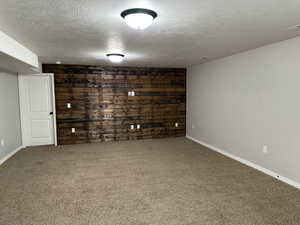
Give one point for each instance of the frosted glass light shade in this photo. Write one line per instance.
(138, 21)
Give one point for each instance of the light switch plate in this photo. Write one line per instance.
(69, 106)
(138, 126)
(73, 130)
(176, 124)
(132, 127)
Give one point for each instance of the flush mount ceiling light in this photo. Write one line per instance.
(115, 58)
(139, 18)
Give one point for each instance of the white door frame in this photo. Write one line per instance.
(22, 102)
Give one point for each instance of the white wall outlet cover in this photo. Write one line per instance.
(265, 149)
(138, 126)
(107, 116)
(69, 105)
(2, 143)
(73, 130)
(131, 127)
(131, 93)
(193, 126)
(176, 124)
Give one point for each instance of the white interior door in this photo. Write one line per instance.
(37, 109)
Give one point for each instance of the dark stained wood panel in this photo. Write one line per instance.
(103, 111)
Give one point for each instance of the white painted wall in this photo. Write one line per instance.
(242, 102)
(10, 124)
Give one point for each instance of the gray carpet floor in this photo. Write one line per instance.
(159, 182)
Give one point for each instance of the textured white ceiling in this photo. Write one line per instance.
(83, 31)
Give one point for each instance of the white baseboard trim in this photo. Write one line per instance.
(10, 155)
(248, 163)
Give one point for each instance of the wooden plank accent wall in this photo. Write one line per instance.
(102, 110)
